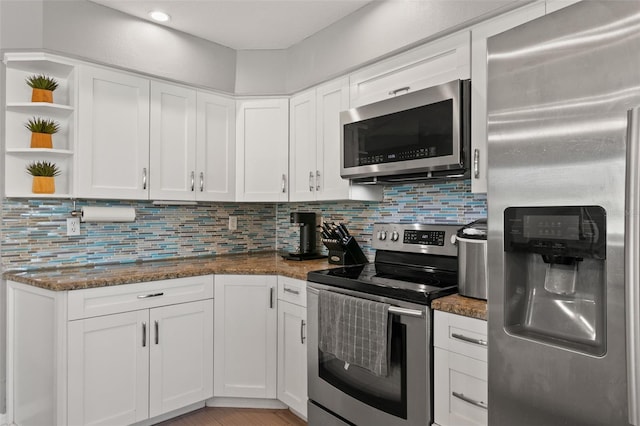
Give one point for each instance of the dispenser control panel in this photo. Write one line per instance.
(570, 231)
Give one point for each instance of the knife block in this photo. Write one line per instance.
(347, 252)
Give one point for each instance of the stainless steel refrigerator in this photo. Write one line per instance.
(563, 218)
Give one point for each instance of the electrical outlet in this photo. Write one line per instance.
(233, 223)
(73, 226)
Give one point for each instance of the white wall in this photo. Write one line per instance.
(21, 24)
(261, 72)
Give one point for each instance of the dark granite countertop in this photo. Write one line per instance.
(74, 278)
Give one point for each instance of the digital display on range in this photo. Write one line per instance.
(558, 227)
(427, 238)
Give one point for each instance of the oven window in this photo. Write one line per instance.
(388, 393)
(421, 132)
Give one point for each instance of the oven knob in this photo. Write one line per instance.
(382, 235)
(395, 236)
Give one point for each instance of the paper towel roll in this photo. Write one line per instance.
(108, 214)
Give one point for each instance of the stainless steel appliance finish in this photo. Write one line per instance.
(563, 327)
(472, 260)
(417, 136)
(421, 267)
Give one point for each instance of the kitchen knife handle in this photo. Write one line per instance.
(193, 181)
(201, 181)
(302, 336)
(144, 178)
(310, 181)
(476, 163)
(157, 330)
(471, 401)
(317, 180)
(144, 334)
(469, 339)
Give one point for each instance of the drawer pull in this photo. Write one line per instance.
(145, 296)
(290, 290)
(157, 332)
(461, 396)
(469, 339)
(402, 89)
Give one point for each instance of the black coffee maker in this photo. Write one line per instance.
(307, 249)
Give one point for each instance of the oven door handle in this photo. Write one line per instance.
(392, 309)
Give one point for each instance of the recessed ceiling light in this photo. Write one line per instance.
(159, 16)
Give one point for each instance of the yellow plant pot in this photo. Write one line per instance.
(42, 95)
(41, 140)
(43, 185)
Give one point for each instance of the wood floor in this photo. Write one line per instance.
(222, 416)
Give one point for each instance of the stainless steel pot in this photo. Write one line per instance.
(472, 260)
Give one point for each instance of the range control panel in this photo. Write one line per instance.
(416, 238)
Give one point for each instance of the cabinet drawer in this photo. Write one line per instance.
(463, 335)
(129, 297)
(434, 63)
(292, 290)
(460, 389)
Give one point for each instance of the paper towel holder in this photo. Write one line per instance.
(75, 212)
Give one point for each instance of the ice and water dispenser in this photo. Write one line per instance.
(555, 281)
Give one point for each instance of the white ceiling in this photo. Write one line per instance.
(244, 24)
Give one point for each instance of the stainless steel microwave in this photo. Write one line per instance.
(418, 136)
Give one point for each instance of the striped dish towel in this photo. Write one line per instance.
(354, 330)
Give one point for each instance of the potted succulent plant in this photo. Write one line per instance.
(43, 173)
(41, 131)
(43, 87)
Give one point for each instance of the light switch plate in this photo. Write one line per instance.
(73, 226)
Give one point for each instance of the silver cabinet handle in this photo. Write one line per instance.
(469, 339)
(284, 183)
(310, 181)
(145, 296)
(193, 181)
(292, 291)
(144, 334)
(271, 298)
(476, 163)
(317, 180)
(144, 178)
(461, 396)
(402, 89)
(302, 336)
(201, 181)
(157, 327)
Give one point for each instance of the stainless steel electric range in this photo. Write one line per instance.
(414, 264)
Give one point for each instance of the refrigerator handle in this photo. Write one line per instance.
(631, 270)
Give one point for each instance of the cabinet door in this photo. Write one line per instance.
(434, 63)
(479, 36)
(332, 98)
(292, 356)
(216, 148)
(262, 150)
(181, 356)
(302, 147)
(108, 375)
(113, 135)
(245, 341)
(173, 142)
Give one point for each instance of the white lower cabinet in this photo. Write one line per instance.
(245, 336)
(110, 355)
(460, 370)
(292, 344)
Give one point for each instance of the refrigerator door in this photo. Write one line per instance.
(632, 263)
(559, 88)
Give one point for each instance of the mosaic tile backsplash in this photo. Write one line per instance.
(33, 231)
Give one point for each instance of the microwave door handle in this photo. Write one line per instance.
(631, 269)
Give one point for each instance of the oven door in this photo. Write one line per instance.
(357, 396)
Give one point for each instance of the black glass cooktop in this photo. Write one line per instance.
(418, 284)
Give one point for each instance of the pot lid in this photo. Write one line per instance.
(476, 230)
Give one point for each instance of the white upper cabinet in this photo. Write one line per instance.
(440, 61)
(172, 174)
(113, 135)
(479, 36)
(314, 146)
(216, 148)
(262, 150)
